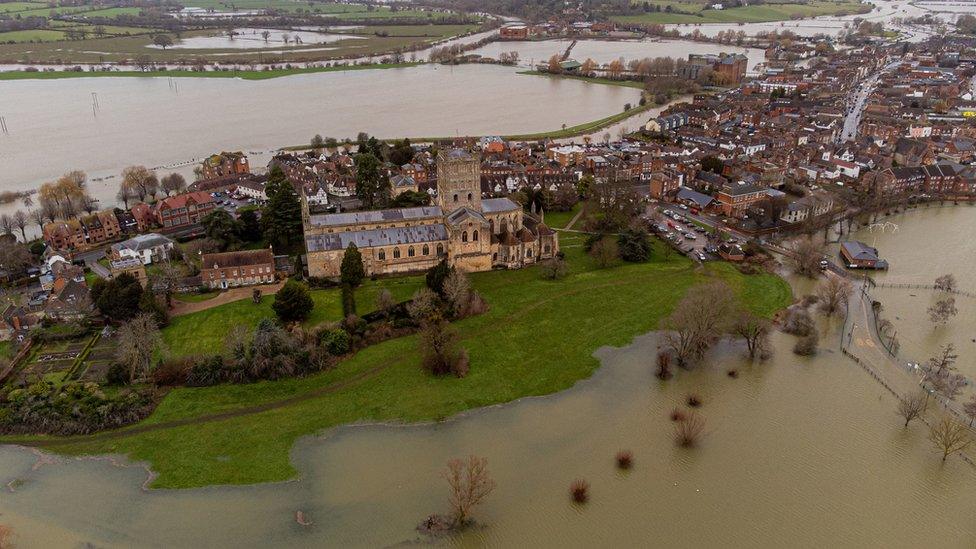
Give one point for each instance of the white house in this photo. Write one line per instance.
(144, 247)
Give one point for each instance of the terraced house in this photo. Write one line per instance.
(82, 233)
(233, 269)
(472, 233)
(183, 210)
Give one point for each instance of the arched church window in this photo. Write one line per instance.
(382, 255)
(455, 198)
(396, 253)
(474, 236)
(440, 250)
(464, 236)
(426, 249)
(411, 252)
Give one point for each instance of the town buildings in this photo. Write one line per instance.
(146, 248)
(234, 269)
(471, 232)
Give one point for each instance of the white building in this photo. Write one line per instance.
(147, 248)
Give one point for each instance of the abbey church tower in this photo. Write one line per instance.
(458, 180)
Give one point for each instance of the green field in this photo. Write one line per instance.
(245, 75)
(123, 49)
(10, 7)
(204, 332)
(537, 338)
(342, 11)
(746, 14)
(34, 35)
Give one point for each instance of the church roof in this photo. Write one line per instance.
(376, 237)
(374, 216)
(493, 205)
(464, 214)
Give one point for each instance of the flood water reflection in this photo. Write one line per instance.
(797, 453)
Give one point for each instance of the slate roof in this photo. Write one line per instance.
(241, 258)
(376, 237)
(703, 200)
(375, 216)
(142, 242)
(493, 205)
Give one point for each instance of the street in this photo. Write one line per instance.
(853, 118)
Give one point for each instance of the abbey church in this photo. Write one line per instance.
(473, 233)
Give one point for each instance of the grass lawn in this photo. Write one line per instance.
(196, 297)
(558, 220)
(35, 35)
(537, 338)
(245, 75)
(9, 7)
(747, 14)
(203, 332)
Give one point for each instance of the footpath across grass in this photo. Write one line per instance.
(537, 338)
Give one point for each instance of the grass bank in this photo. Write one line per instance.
(538, 338)
(243, 74)
(772, 11)
(591, 79)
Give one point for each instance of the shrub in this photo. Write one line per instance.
(733, 373)
(579, 490)
(625, 459)
(293, 302)
(807, 345)
(694, 400)
(677, 414)
(207, 372)
(117, 374)
(348, 300)
(553, 269)
(336, 341)
(634, 246)
(663, 365)
(169, 373)
(688, 430)
(436, 276)
(798, 322)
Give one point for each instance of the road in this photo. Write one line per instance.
(860, 97)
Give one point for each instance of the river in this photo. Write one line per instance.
(162, 122)
(798, 452)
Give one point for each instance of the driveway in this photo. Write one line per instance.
(181, 308)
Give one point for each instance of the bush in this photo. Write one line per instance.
(293, 302)
(206, 372)
(117, 374)
(169, 373)
(580, 491)
(798, 322)
(807, 345)
(348, 300)
(625, 459)
(437, 275)
(553, 269)
(336, 341)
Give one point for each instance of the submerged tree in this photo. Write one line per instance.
(698, 320)
(939, 372)
(912, 406)
(689, 429)
(945, 283)
(470, 484)
(807, 254)
(950, 436)
(833, 294)
(943, 310)
(754, 331)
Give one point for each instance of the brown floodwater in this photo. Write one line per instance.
(797, 452)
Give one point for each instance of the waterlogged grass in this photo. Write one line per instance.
(746, 14)
(537, 338)
(244, 75)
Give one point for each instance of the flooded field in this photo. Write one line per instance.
(171, 124)
(251, 38)
(797, 452)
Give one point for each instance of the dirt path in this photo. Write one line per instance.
(181, 308)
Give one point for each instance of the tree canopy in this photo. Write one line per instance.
(282, 215)
(293, 302)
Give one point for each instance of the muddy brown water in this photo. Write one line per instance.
(798, 452)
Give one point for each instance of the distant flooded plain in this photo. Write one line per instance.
(797, 452)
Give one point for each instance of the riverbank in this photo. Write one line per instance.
(685, 13)
(538, 338)
(242, 74)
(591, 79)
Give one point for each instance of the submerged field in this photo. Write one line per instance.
(538, 338)
(692, 12)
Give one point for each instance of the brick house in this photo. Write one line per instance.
(243, 268)
(82, 233)
(225, 164)
(735, 200)
(183, 210)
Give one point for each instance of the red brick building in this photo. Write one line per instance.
(225, 164)
(82, 233)
(243, 268)
(183, 210)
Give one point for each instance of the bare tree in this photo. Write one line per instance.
(7, 224)
(139, 181)
(605, 252)
(439, 348)
(173, 183)
(423, 305)
(807, 254)
(943, 310)
(754, 330)
(945, 283)
(139, 339)
(38, 217)
(700, 318)
(912, 406)
(167, 278)
(384, 302)
(457, 292)
(939, 372)
(470, 485)
(970, 409)
(950, 436)
(688, 429)
(21, 220)
(833, 294)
